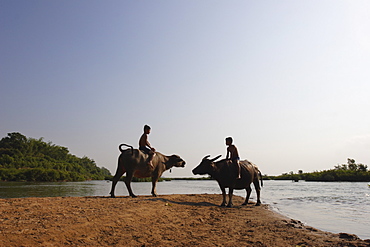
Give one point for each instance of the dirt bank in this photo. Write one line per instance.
(170, 220)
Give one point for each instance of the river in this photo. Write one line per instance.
(329, 206)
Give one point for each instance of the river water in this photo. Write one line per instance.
(331, 206)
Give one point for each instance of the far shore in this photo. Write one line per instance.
(168, 220)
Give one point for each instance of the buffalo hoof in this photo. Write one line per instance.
(223, 205)
(112, 196)
(133, 196)
(244, 204)
(229, 205)
(258, 204)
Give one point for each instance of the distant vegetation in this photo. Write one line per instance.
(28, 159)
(350, 172)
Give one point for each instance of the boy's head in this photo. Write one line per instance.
(229, 140)
(147, 129)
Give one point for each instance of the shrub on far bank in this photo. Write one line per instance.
(350, 172)
(28, 159)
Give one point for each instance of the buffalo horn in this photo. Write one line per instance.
(215, 158)
(206, 157)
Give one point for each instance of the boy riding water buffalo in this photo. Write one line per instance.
(143, 162)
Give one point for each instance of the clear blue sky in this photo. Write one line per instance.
(288, 80)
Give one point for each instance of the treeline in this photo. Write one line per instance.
(29, 159)
(350, 172)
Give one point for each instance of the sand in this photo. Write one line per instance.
(168, 220)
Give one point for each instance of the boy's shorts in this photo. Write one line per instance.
(145, 149)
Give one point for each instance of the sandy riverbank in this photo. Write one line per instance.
(169, 220)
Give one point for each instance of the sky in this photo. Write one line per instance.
(288, 80)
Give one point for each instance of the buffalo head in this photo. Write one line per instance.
(205, 167)
(175, 160)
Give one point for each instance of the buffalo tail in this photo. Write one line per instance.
(260, 175)
(120, 148)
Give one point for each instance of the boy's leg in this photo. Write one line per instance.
(150, 158)
(238, 169)
(150, 154)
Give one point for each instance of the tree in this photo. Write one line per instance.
(362, 167)
(14, 140)
(29, 159)
(352, 164)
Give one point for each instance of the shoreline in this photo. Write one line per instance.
(167, 220)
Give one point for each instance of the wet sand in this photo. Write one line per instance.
(168, 220)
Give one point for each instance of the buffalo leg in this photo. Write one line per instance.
(128, 179)
(117, 176)
(248, 190)
(223, 204)
(154, 184)
(230, 204)
(258, 191)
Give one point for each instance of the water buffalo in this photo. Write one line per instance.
(135, 163)
(225, 173)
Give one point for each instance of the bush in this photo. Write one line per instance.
(29, 159)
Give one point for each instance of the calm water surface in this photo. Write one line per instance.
(335, 207)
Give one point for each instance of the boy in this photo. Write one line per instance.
(144, 145)
(234, 155)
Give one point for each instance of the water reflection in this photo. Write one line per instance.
(54, 189)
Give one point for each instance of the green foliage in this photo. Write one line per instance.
(350, 172)
(28, 159)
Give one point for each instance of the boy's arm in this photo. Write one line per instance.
(236, 152)
(148, 144)
(227, 154)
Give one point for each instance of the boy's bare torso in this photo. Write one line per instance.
(143, 142)
(233, 152)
